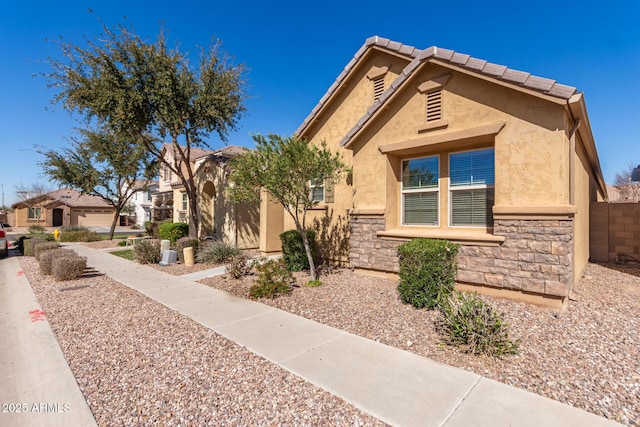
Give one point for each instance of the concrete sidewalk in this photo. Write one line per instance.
(393, 385)
(37, 388)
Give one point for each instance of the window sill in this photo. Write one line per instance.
(466, 237)
(318, 208)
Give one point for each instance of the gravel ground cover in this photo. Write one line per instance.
(140, 363)
(587, 356)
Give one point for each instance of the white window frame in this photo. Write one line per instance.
(435, 189)
(34, 213)
(315, 184)
(471, 187)
(184, 202)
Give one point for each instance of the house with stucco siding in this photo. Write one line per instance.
(444, 145)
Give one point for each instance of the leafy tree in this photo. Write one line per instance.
(152, 94)
(285, 167)
(627, 182)
(104, 165)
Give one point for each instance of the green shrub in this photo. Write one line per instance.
(147, 251)
(45, 259)
(314, 283)
(216, 251)
(238, 266)
(74, 228)
(273, 279)
(475, 325)
(36, 229)
(79, 236)
(293, 252)
(68, 267)
(122, 243)
(39, 247)
(152, 229)
(427, 272)
(172, 231)
(186, 242)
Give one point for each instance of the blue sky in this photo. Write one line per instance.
(295, 50)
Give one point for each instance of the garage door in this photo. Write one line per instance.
(92, 217)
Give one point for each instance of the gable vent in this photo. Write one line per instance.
(378, 87)
(434, 105)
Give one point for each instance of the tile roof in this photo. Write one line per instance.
(499, 72)
(194, 153)
(75, 199)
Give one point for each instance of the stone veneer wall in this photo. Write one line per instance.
(537, 255)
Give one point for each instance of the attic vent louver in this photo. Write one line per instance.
(378, 87)
(434, 105)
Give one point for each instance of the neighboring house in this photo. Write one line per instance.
(170, 201)
(443, 145)
(141, 200)
(64, 207)
(220, 218)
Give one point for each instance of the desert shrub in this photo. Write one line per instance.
(186, 242)
(39, 247)
(152, 229)
(216, 251)
(293, 252)
(428, 270)
(238, 266)
(68, 267)
(172, 231)
(79, 236)
(35, 229)
(74, 228)
(273, 279)
(147, 251)
(45, 259)
(25, 243)
(470, 322)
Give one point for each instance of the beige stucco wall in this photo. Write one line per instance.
(584, 195)
(22, 220)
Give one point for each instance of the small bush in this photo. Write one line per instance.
(74, 228)
(152, 229)
(36, 229)
(273, 279)
(25, 243)
(79, 236)
(314, 283)
(475, 325)
(45, 259)
(68, 267)
(122, 243)
(427, 272)
(40, 247)
(186, 242)
(293, 252)
(216, 251)
(172, 231)
(238, 266)
(147, 251)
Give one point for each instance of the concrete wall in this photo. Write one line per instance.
(615, 228)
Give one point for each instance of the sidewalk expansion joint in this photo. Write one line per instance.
(455, 408)
(233, 322)
(302, 353)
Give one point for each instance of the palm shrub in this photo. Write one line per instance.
(428, 271)
(172, 231)
(186, 242)
(468, 321)
(216, 251)
(68, 267)
(147, 251)
(293, 252)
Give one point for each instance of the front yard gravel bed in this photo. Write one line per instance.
(587, 356)
(140, 363)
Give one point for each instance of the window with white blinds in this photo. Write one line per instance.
(472, 176)
(420, 191)
(316, 189)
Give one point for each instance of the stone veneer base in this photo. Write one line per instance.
(536, 257)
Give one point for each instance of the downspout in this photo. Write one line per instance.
(572, 161)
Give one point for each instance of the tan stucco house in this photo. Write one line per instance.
(220, 218)
(444, 145)
(64, 207)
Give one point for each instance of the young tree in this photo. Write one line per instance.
(627, 182)
(285, 167)
(152, 94)
(103, 165)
